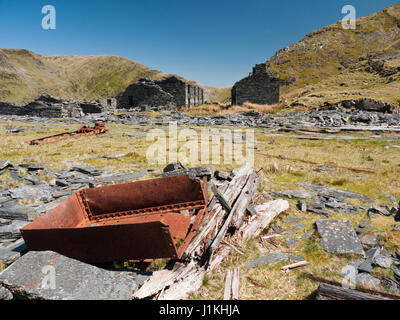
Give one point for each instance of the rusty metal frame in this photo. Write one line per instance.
(99, 128)
(96, 225)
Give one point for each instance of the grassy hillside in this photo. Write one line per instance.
(333, 63)
(24, 75)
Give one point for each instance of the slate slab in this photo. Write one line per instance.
(366, 280)
(302, 194)
(369, 239)
(12, 252)
(338, 236)
(291, 242)
(274, 258)
(86, 170)
(383, 261)
(365, 266)
(12, 230)
(38, 192)
(73, 280)
(122, 177)
(20, 212)
(333, 192)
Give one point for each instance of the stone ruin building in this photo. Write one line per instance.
(50, 107)
(161, 94)
(260, 87)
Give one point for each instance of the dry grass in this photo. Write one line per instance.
(217, 109)
(278, 174)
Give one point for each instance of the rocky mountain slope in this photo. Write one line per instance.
(24, 75)
(334, 63)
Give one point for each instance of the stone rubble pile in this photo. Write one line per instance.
(339, 236)
(333, 120)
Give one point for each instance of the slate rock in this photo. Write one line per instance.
(318, 211)
(135, 134)
(364, 224)
(122, 177)
(291, 242)
(396, 272)
(372, 253)
(74, 280)
(16, 176)
(40, 192)
(32, 166)
(369, 239)
(338, 236)
(379, 210)
(11, 231)
(366, 280)
(86, 170)
(174, 166)
(302, 206)
(383, 261)
(222, 175)
(397, 216)
(308, 234)
(299, 226)
(333, 192)
(302, 194)
(5, 294)
(365, 266)
(272, 257)
(293, 220)
(17, 211)
(4, 164)
(12, 252)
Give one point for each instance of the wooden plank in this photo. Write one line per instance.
(266, 213)
(228, 286)
(240, 204)
(235, 284)
(329, 292)
(295, 265)
(186, 278)
(215, 215)
(240, 208)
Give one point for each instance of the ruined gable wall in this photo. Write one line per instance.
(260, 87)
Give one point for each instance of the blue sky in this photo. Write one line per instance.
(214, 42)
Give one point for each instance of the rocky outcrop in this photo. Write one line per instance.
(364, 104)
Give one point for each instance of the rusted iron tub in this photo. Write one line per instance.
(134, 221)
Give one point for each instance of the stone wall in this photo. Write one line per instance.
(50, 107)
(161, 94)
(260, 87)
